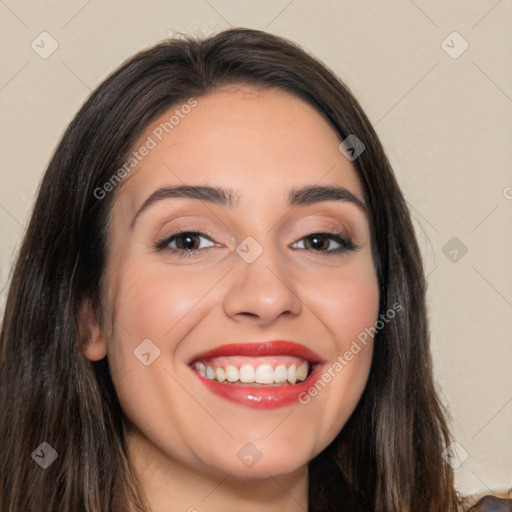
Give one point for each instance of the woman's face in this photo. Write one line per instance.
(269, 258)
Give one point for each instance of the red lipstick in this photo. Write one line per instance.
(268, 396)
(267, 348)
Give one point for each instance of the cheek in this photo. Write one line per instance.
(157, 302)
(153, 301)
(346, 299)
(154, 307)
(348, 304)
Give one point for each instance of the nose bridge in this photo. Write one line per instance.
(262, 286)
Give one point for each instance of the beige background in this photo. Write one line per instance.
(446, 124)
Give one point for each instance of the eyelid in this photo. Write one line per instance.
(345, 242)
(164, 242)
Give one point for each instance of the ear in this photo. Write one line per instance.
(92, 344)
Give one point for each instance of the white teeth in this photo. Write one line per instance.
(280, 373)
(265, 374)
(220, 374)
(292, 374)
(247, 373)
(231, 373)
(302, 371)
(201, 368)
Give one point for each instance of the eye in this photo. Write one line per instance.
(188, 243)
(184, 242)
(321, 242)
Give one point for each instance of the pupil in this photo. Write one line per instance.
(315, 241)
(189, 241)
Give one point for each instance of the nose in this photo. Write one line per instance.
(261, 291)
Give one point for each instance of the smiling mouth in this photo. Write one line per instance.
(265, 371)
(260, 375)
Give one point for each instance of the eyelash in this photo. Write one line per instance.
(346, 243)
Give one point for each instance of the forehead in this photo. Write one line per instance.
(259, 141)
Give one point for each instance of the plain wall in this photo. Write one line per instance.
(444, 116)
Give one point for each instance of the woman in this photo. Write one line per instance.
(219, 302)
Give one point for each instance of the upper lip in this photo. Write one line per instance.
(260, 349)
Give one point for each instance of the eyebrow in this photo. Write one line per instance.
(227, 197)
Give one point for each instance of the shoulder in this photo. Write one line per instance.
(492, 504)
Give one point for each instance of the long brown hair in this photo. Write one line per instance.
(387, 458)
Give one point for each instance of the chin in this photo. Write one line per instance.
(259, 460)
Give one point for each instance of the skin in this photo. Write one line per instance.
(184, 440)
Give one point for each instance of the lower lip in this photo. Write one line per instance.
(261, 397)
